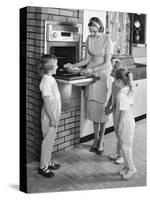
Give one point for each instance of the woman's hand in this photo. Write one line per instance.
(68, 65)
(87, 72)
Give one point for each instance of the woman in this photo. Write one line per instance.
(98, 61)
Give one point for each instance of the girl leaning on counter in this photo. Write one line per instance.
(98, 61)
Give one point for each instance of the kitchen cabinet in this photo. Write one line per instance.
(140, 97)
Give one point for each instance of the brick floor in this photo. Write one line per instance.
(84, 170)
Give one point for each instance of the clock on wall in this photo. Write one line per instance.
(138, 28)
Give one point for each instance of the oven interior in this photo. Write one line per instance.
(64, 55)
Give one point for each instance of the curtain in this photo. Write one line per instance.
(118, 27)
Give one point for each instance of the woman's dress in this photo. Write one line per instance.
(98, 93)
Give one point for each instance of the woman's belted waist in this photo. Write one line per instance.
(97, 58)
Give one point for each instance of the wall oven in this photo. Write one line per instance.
(64, 41)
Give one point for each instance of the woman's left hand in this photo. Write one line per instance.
(87, 72)
(68, 65)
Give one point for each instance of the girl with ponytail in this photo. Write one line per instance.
(111, 108)
(125, 124)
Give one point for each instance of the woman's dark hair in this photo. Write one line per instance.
(43, 66)
(95, 21)
(124, 75)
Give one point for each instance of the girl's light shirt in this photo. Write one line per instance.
(125, 102)
(48, 87)
(115, 91)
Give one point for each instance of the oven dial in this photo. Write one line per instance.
(75, 36)
(54, 35)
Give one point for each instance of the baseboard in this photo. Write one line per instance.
(108, 130)
(91, 136)
(140, 117)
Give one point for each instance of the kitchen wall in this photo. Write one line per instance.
(32, 30)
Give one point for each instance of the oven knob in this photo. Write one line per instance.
(54, 35)
(75, 37)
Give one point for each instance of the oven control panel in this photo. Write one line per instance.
(63, 33)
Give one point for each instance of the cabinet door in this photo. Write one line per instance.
(140, 97)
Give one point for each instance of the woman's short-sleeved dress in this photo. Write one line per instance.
(97, 94)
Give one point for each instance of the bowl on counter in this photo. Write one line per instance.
(72, 70)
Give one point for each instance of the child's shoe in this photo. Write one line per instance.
(93, 149)
(122, 171)
(114, 157)
(129, 174)
(53, 166)
(46, 172)
(119, 160)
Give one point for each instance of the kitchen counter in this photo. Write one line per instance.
(78, 82)
(71, 89)
(138, 73)
(138, 69)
